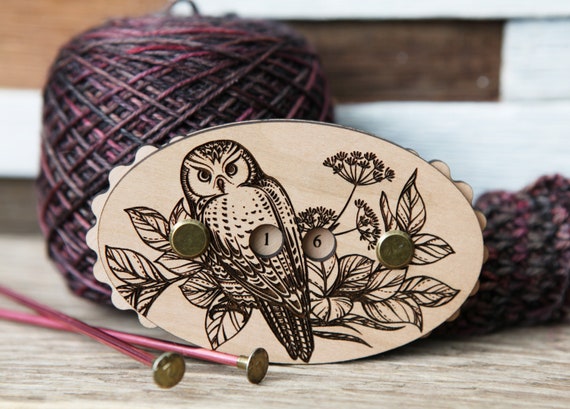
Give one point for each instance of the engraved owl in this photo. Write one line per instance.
(228, 192)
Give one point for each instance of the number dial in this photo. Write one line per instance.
(319, 244)
(266, 240)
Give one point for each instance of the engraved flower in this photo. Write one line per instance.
(367, 223)
(359, 169)
(314, 217)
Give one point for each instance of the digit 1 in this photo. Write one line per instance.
(267, 238)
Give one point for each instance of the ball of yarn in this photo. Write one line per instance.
(132, 82)
(526, 279)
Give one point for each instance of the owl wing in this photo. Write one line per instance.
(294, 332)
(231, 218)
(286, 222)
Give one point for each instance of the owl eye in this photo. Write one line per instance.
(231, 169)
(204, 175)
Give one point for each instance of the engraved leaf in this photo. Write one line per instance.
(224, 321)
(429, 249)
(354, 272)
(131, 267)
(151, 226)
(338, 336)
(178, 265)
(387, 215)
(178, 213)
(141, 297)
(428, 292)
(322, 276)
(200, 290)
(398, 310)
(331, 308)
(384, 284)
(411, 210)
(366, 322)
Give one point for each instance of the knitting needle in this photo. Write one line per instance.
(255, 365)
(168, 368)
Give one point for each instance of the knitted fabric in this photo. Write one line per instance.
(526, 279)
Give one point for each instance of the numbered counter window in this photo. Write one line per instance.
(266, 240)
(319, 244)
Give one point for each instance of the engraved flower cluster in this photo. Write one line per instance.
(359, 168)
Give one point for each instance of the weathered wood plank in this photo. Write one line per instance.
(403, 60)
(18, 207)
(536, 60)
(523, 368)
(316, 10)
(439, 60)
(32, 31)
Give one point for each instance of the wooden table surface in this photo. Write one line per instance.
(524, 367)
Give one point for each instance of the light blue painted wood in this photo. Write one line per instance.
(536, 60)
(20, 120)
(489, 145)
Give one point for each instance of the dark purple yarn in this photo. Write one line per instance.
(132, 82)
(526, 279)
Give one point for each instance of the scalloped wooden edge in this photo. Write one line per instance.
(97, 206)
(467, 192)
(442, 167)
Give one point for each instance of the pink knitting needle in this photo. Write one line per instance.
(168, 368)
(255, 365)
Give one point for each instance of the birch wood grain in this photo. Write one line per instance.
(39, 368)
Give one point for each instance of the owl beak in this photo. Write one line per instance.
(221, 185)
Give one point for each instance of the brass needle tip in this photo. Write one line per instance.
(255, 365)
(168, 369)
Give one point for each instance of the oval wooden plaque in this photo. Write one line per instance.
(294, 212)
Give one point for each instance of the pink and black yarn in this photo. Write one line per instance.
(526, 279)
(133, 82)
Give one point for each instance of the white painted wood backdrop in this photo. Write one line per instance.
(389, 9)
(490, 145)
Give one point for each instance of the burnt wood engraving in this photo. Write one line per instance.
(299, 297)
